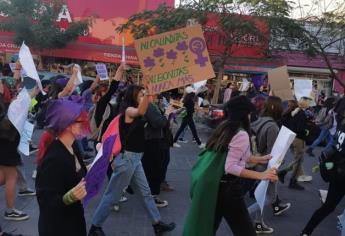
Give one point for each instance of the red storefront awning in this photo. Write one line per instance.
(77, 50)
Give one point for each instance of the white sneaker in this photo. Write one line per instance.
(176, 145)
(116, 207)
(304, 178)
(202, 146)
(123, 199)
(323, 195)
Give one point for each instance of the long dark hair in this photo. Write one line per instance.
(130, 98)
(227, 129)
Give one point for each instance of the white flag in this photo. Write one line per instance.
(18, 110)
(28, 65)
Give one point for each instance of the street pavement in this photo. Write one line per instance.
(132, 219)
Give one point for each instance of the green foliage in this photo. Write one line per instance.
(232, 20)
(34, 22)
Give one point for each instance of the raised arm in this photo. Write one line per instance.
(69, 88)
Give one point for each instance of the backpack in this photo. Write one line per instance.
(96, 132)
(254, 138)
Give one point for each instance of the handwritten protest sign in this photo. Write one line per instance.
(174, 59)
(278, 78)
(102, 71)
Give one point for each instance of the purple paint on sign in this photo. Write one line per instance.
(171, 55)
(149, 62)
(158, 52)
(197, 46)
(95, 177)
(182, 46)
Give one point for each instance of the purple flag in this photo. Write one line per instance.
(95, 177)
(258, 81)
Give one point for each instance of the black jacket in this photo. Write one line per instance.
(56, 175)
(156, 122)
(102, 105)
(297, 122)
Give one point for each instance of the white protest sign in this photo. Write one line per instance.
(102, 71)
(25, 138)
(244, 86)
(18, 110)
(79, 76)
(280, 147)
(303, 88)
(28, 65)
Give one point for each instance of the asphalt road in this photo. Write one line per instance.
(132, 219)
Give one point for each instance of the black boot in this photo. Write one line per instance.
(162, 227)
(96, 231)
(295, 185)
(281, 175)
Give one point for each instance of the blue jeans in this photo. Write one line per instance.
(128, 171)
(324, 134)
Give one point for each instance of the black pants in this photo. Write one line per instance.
(336, 192)
(153, 160)
(188, 120)
(231, 206)
(166, 161)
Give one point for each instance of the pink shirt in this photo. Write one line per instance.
(238, 154)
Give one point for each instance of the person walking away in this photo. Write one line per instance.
(336, 190)
(189, 104)
(59, 184)
(217, 188)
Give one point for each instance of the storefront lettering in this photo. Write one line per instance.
(8, 45)
(64, 14)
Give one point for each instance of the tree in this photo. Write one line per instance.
(235, 21)
(322, 27)
(34, 21)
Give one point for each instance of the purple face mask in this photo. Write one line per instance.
(63, 112)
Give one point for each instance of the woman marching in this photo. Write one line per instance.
(59, 184)
(128, 169)
(217, 188)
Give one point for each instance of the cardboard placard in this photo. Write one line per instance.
(102, 71)
(174, 59)
(278, 78)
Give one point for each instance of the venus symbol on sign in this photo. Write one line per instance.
(197, 46)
